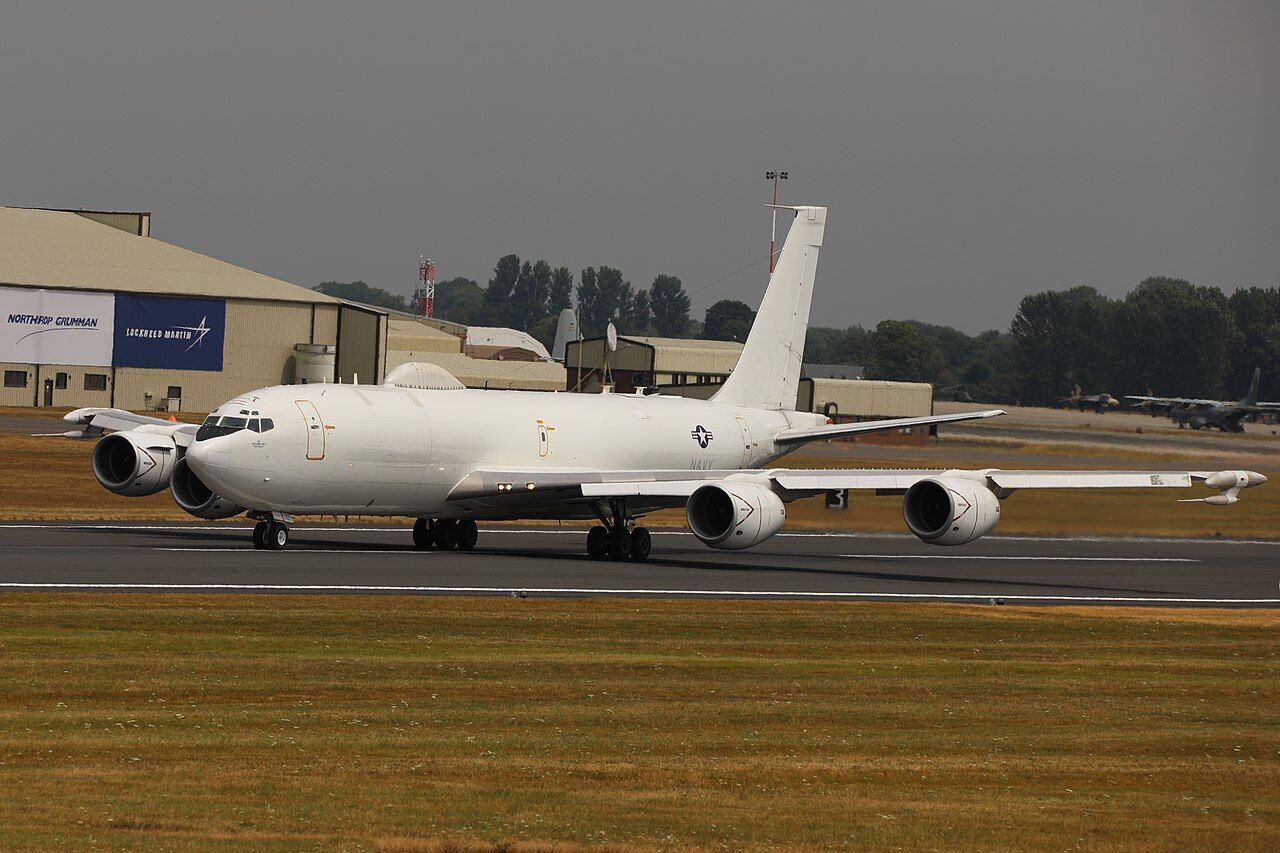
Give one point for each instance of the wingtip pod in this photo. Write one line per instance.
(1229, 483)
(1234, 480)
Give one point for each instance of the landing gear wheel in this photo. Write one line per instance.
(260, 535)
(422, 537)
(620, 543)
(641, 544)
(277, 536)
(468, 534)
(446, 533)
(597, 542)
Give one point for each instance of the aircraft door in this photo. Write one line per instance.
(315, 429)
(746, 441)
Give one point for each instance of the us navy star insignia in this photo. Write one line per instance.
(702, 435)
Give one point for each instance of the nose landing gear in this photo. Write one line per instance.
(270, 535)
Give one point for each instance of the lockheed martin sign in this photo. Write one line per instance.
(169, 332)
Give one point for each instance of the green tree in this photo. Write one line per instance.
(901, 352)
(1177, 336)
(497, 296)
(670, 306)
(1256, 312)
(530, 294)
(560, 294)
(460, 300)
(358, 291)
(589, 314)
(728, 320)
(637, 318)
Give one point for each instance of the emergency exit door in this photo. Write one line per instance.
(315, 429)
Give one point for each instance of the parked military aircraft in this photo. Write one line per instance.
(1081, 401)
(1222, 414)
(423, 446)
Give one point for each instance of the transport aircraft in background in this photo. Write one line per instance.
(423, 446)
(1222, 414)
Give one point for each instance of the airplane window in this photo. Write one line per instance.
(212, 420)
(253, 425)
(233, 423)
(268, 424)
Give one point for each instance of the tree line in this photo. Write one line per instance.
(1167, 335)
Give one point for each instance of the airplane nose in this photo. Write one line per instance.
(201, 457)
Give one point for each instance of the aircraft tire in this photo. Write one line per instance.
(468, 535)
(446, 533)
(260, 535)
(277, 536)
(620, 544)
(597, 542)
(422, 537)
(641, 544)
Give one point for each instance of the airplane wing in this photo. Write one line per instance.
(491, 487)
(96, 422)
(798, 436)
(1175, 401)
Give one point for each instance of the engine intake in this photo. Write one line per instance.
(134, 463)
(732, 516)
(192, 495)
(944, 511)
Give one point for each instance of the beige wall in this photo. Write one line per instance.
(866, 398)
(73, 395)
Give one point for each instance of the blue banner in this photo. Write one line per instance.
(169, 332)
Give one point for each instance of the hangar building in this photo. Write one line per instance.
(696, 368)
(96, 312)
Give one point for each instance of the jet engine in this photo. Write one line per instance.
(192, 495)
(944, 511)
(732, 515)
(134, 463)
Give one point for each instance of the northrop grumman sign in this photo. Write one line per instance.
(56, 326)
(169, 332)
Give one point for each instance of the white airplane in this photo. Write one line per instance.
(422, 446)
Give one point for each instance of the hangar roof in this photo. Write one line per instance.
(49, 248)
(408, 334)
(483, 373)
(685, 355)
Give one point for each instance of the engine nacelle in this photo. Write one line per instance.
(944, 511)
(134, 463)
(732, 516)
(192, 495)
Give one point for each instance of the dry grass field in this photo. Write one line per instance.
(393, 723)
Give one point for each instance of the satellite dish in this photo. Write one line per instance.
(611, 337)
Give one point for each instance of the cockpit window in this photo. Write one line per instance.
(268, 425)
(214, 426)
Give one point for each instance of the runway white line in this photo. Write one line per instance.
(984, 557)
(401, 531)
(697, 593)
(1020, 559)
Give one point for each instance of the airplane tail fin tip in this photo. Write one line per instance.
(768, 370)
(1251, 399)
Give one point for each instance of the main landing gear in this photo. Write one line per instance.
(615, 539)
(445, 534)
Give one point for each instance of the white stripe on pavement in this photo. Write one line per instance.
(507, 590)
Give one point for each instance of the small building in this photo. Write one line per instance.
(96, 312)
(642, 361)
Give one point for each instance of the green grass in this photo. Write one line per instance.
(420, 723)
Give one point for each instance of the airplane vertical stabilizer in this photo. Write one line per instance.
(768, 371)
(1251, 399)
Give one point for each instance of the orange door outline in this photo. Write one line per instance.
(315, 429)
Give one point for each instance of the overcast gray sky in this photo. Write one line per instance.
(970, 152)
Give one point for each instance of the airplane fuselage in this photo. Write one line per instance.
(385, 450)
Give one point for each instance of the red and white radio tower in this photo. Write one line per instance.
(424, 298)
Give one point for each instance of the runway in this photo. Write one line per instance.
(326, 559)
